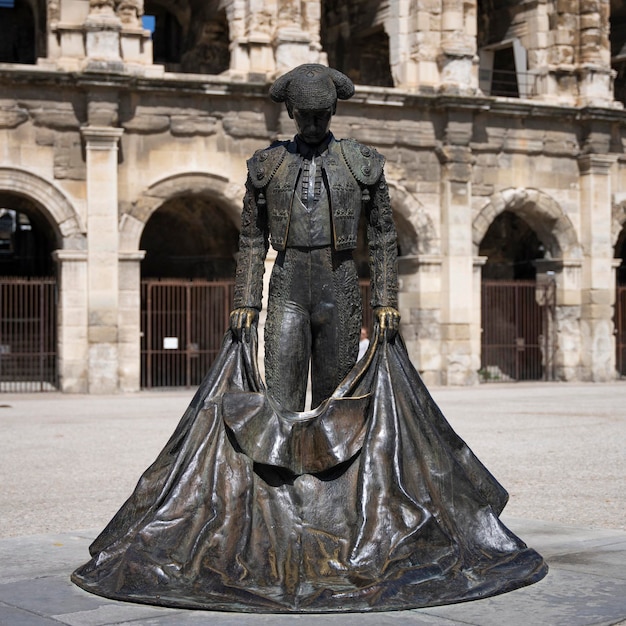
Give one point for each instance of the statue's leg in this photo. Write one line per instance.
(288, 331)
(335, 320)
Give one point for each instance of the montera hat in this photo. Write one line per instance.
(311, 86)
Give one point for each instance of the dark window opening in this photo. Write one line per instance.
(166, 36)
(355, 43)
(17, 33)
(618, 53)
(26, 244)
(511, 247)
(208, 50)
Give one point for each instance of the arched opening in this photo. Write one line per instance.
(515, 321)
(189, 37)
(511, 247)
(354, 38)
(207, 49)
(22, 31)
(186, 289)
(503, 58)
(620, 304)
(28, 297)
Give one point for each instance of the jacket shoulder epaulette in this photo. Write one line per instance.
(365, 163)
(263, 164)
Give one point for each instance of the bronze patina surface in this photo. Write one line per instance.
(367, 502)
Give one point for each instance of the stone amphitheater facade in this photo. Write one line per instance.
(483, 108)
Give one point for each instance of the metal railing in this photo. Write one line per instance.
(508, 83)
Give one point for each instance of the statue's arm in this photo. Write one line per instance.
(383, 254)
(253, 246)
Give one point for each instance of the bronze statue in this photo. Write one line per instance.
(307, 195)
(367, 502)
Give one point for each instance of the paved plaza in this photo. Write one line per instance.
(68, 462)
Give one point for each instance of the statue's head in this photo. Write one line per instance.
(310, 93)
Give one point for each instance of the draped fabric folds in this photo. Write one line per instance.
(370, 502)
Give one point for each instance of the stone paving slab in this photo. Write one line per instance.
(557, 448)
(586, 586)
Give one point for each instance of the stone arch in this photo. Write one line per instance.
(542, 213)
(50, 200)
(211, 186)
(418, 235)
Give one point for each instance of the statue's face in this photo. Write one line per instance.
(313, 124)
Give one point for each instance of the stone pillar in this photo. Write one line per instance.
(136, 41)
(102, 254)
(460, 362)
(556, 82)
(102, 37)
(476, 326)
(129, 320)
(458, 61)
(419, 303)
(293, 42)
(595, 73)
(562, 348)
(72, 320)
(597, 289)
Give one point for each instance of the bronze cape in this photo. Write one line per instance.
(369, 503)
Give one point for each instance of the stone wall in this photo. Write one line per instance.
(99, 138)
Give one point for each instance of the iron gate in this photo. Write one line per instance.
(517, 338)
(620, 329)
(182, 327)
(28, 334)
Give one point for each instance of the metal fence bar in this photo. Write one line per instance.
(182, 327)
(517, 330)
(28, 334)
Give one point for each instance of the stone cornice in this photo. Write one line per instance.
(70, 255)
(101, 137)
(227, 86)
(596, 163)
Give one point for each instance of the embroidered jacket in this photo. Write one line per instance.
(354, 180)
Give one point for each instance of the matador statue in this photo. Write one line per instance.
(368, 501)
(306, 197)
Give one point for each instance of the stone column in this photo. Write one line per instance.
(72, 320)
(595, 73)
(293, 41)
(419, 303)
(102, 255)
(129, 320)
(460, 362)
(458, 61)
(597, 289)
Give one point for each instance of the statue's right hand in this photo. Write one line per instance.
(242, 320)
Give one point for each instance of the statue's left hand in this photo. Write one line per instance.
(388, 318)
